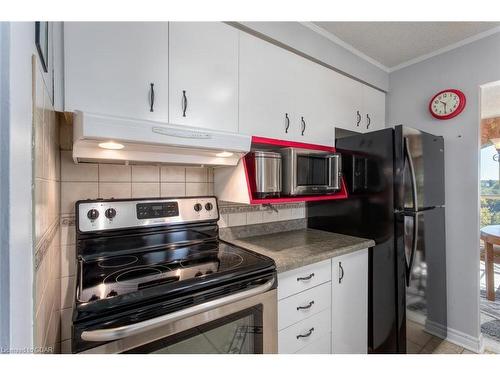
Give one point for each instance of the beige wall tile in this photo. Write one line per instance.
(173, 189)
(66, 324)
(196, 175)
(237, 219)
(299, 212)
(67, 235)
(109, 190)
(115, 173)
(196, 188)
(145, 189)
(269, 216)
(284, 214)
(210, 172)
(67, 291)
(73, 191)
(77, 172)
(66, 347)
(254, 217)
(68, 260)
(222, 221)
(173, 174)
(38, 146)
(145, 173)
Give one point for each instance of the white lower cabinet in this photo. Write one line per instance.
(350, 303)
(305, 332)
(323, 307)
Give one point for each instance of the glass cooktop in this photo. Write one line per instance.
(107, 277)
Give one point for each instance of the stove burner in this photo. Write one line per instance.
(121, 261)
(225, 259)
(131, 275)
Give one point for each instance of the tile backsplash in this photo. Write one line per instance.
(85, 180)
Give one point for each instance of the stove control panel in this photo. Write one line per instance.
(100, 215)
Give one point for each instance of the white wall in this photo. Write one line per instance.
(307, 41)
(411, 88)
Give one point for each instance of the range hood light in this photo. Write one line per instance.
(111, 145)
(224, 154)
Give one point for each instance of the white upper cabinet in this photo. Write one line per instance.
(348, 103)
(283, 95)
(373, 109)
(268, 88)
(110, 68)
(203, 75)
(316, 95)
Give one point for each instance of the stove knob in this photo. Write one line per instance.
(93, 214)
(198, 207)
(112, 293)
(209, 206)
(198, 274)
(110, 213)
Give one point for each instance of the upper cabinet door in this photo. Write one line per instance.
(373, 109)
(348, 103)
(316, 107)
(268, 89)
(117, 68)
(203, 75)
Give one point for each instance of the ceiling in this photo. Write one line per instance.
(392, 44)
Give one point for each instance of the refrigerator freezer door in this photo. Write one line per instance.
(421, 161)
(426, 293)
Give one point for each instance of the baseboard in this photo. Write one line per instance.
(454, 336)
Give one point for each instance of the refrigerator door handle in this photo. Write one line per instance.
(409, 264)
(414, 192)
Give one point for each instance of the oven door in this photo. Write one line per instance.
(315, 172)
(247, 325)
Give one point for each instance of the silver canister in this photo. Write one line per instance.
(267, 174)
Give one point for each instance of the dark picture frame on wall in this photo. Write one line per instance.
(42, 43)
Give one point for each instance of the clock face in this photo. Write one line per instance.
(447, 104)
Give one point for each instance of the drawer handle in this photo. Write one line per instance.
(306, 334)
(306, 277)
(308, 306)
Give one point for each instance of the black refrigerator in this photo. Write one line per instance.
(395, 179)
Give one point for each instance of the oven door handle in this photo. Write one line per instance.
(111, 334)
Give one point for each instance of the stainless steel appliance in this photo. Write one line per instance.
(267, 167)
(395, 180)
(307, 172)
(153, 277)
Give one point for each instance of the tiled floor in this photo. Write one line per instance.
(421, 342)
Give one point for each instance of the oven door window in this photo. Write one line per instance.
(312, 170)
(238, 333)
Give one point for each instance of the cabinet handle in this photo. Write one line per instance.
(287, 121)
(306, 277)
(341, 272)
(303, 125)
(184, 103)
(306, 334)
(308, 306)
(152, 97)
(358, 116)
(369, 121)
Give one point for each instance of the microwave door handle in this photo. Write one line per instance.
(111, 334)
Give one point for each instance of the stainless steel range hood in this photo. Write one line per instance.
(109, 139)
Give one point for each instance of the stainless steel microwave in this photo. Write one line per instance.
(310, 172)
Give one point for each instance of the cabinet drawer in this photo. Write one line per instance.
(303, 305)
(319, 346)
(300, 279)
(297, 336)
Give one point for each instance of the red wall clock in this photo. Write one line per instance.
(447, 104)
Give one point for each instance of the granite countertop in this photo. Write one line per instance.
(297, 248)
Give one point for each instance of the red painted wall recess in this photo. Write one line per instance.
(262, 143)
